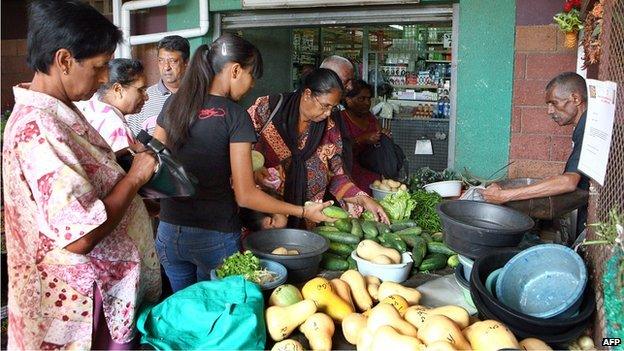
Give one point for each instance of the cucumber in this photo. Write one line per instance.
(419, 250)
(329, 224)
(411, 230)
(382, 228)
(343, 225)
(397, 225)
(438, 237)
(370, 229)
(435, 247)
(433, 263)
(410, 239)
(340, 237)
(453, 261)
(394, 241)
(352, 263)
(427, 237)
(340, 249)
(356, 228)
(335, 212)
(334, 263)
(326, 228)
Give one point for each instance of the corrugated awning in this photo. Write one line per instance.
(336, 16)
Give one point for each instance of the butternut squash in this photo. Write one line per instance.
(371, 279)
(385, 314)
(442, 328)
(319, 330)
(357, 284)
(457, 314)
(320, 291)
(440, 346)
(352, 327)
(398, 302)
(416, 316)
(342, 289)
(490, 335)
(365, 340)
(390, 288)
(381, 259)
(288, 345)
(373, 291)
(285, 295)
(533, 344)
(281, 321)
(368, 249)
(387, 338)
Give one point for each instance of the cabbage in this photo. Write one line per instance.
(399, 205)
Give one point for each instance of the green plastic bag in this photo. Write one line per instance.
(224, 314)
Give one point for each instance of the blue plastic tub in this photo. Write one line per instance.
(272, 266)
(543, 281)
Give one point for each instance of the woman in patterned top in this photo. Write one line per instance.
(123, 94)
(81, 254)
(303, 146)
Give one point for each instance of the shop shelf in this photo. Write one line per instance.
(415, 86)
(439, 61)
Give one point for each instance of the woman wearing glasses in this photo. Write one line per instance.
(123, 94)
(302, 146)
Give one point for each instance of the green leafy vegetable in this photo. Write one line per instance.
(424, 212)
(247, 265)
(399, 205)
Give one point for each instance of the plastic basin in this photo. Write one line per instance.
(463, 284)
(300, 267)
(516, 320)
(466, 264)
(543, 281)
(490, 282)
(448, 188)
(386, 272)
(272, 266)
(379, 194)
(473, 228)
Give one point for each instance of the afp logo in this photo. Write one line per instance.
(611, 341)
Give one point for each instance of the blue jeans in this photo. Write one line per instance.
(188, 253)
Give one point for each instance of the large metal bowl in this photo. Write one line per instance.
(549, 207)
(474, 228)
(300, 267)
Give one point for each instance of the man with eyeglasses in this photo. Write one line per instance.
(566, 98)
(173, 56)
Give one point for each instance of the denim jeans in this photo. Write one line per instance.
(188, 253)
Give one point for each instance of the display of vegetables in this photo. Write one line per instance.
(397, 322)
(388, 185)
(247, 265)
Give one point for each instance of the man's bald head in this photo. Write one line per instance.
(343, 68)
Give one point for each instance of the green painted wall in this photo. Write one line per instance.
(485, 81)
(274, 45)
(184, 14)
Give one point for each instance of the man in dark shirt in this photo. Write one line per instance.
(566, 97)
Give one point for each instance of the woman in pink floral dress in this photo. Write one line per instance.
(81, 255)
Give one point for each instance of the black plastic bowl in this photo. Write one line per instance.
(474, 228)
(515, 320)
(558, 341)
(300, 267)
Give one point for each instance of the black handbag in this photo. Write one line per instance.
(385, 158)
(170, 179)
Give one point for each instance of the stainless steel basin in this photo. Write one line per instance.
(549, 207)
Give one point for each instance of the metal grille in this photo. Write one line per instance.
(405, 132)
(603, 198)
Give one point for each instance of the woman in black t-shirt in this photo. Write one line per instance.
(212, 137)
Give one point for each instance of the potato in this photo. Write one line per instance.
(394, 188)
(384, 187)
(393, 183)
(376, 183)
(280, 251)
(293, 252)
(403, 187)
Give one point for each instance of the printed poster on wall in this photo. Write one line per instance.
(598, 129)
